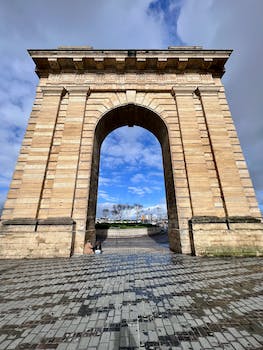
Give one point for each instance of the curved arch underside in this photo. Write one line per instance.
(133, 114)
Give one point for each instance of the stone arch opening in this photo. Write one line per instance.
(133, 114)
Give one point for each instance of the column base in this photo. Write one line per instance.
(29, 238)
(232, 236)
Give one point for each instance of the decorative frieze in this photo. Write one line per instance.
(188, 59)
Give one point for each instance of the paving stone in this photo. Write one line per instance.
(84, 341)
(72, 346)
(237, 346)
(228, 336)
(62, 346)
(196, 345)
(138, 300)
(253, 342)
(205, 344)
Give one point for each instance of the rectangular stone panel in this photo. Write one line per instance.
(234, 196)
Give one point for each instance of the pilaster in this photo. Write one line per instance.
(200, 193)
(232, 190)
(30, 191)
(63, 191)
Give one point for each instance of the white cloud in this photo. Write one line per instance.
(104, 181)
(235, 24)
(134, 147)
(260, 200)
(156, 211)
(104, 195)
(152, 157)
(125, 24)
(138, 178)
(103, 24)
(140, 191)
(101, 206)
(49, 24)
(155, 174)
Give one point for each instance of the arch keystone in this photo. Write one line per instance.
(131, 95)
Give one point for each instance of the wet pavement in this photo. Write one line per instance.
(132, 297)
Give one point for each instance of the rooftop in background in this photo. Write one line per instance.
(70, 59)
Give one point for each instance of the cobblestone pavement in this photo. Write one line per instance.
(140, 298)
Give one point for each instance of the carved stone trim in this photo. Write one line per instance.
(78, 63)
(124, 89)
(182, 90)
(207, 220)
(230, 219)
(53, 63)
(243, 219)
(78, 89)
(53, 90)
(56, 221)
(176, 59)
(207, 90)
(48, 221)
(19, 221)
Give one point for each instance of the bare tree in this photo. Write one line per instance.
(158, 210)
(123, 211)
(105, 213)
(119, 209)
(138, 210)
(114, 211)
(128, 209)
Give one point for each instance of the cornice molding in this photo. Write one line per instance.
(207, 90)
(53, 90)
(88, 60)
(183, 90)
(78, 89)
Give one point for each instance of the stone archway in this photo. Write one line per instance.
(82, 95)
(133, 114)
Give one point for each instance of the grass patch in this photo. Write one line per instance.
(237, 252)
(124, 225)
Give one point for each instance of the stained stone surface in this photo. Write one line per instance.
(133, 296)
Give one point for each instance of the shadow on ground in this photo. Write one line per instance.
(154, 243)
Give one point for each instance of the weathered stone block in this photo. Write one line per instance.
(212, 240)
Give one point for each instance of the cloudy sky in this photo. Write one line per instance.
(235, 24)
(131, 171)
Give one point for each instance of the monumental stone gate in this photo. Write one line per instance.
(84, 94)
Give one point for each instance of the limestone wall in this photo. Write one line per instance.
(30, 239)
(238, 239)
(127, 233)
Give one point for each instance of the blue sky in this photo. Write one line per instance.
(235, 24)
(131, 171)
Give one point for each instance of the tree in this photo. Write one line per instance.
(119, 209)
(114, 211)
(138, 209)
(105, 212)
(158, 209)
(124, 211)
(128, 211)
